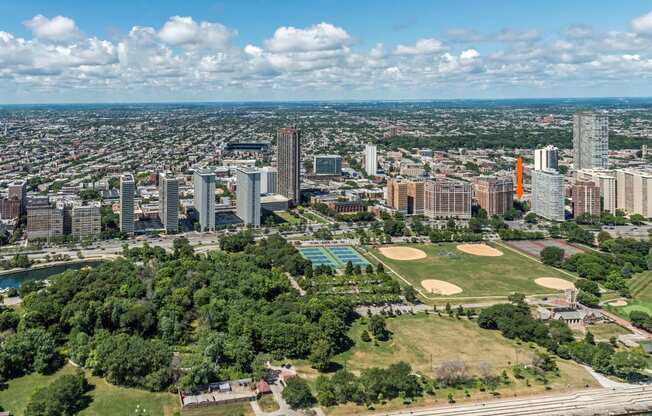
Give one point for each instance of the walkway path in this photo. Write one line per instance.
(625, 323)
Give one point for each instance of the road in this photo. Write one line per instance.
(630, 400)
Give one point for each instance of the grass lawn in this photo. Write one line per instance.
(641, 290)
(287, 217)
(603, 332)
(268, 404)
(421, 339)
(233, 409)
(107, 400)
(314, 217)
(476, 275)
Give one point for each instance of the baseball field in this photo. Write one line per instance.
(471, 270)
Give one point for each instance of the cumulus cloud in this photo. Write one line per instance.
(321, 37)
(184, 31)
(184, 54)
(421, 47)
(643, 24)
(59, 28)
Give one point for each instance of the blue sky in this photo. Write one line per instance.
(87, 51)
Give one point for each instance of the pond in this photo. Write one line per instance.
(15, 279)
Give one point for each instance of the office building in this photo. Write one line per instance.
(44, 221)
(445, 198)
(86, 221)
(370, 160)
(590, 141)
(327, 165)
(289, 164)
(548, 194)
(248, 196)
(546, 158)
(204, 198)
(634, 191)
(494, 194)
(127, 192)
(606, 181)
(586, 199)
(168, 200)
(268, 180)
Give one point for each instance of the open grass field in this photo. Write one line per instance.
(107, 400)
(640, 287)
(603, 332)
(233, 409)
(422, 339)
(477, 275)
(287, 217)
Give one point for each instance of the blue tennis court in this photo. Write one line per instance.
(318, 256)
(335, 257)
(347, 254)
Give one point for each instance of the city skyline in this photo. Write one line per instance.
(256, 51)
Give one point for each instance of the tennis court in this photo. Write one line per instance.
(335, 257)
(348, 254)
(318, 256)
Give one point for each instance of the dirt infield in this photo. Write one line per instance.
(479, 250)
(402, 253)
(554, 283)
(440, 287)
(618, 303)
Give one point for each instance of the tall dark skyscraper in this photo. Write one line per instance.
(289, 163)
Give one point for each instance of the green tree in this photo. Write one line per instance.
(552, 256)
(65, 396)
(297, 394)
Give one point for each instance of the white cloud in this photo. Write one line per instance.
(323, 36)
(59, 28)
(643, 24)
(469, 54)
(184, 31)
(422, 47)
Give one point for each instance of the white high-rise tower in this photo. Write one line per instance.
(370, 160)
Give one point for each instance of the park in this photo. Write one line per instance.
(470, 270)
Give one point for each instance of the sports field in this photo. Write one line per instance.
(336, 257)
(640, 287)
(482, 274)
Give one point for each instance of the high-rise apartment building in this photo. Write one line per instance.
(44, 221)
(204, 198)
(370, 159)
(289, 163)
(415, 197)
(406, 196)
(606, 181)
(586, 199)
(494, 194)
(397, 195)
(86, 221)
(268, 180)
(634, 191)
(127, 206)
(248, 196)
(546, 158)
(327, 165)
(9, 208)
(168, 200)
(445, 198)
(590, 141)
(548, 194)
(18, 190)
